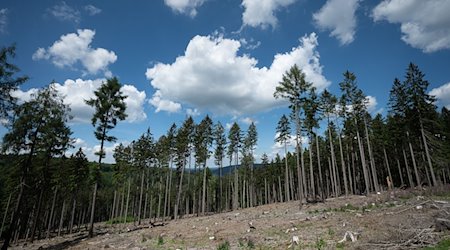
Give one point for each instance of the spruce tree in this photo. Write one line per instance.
(109, 107)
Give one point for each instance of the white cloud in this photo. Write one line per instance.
(442, 94)
(371, 104)
(192, 112)
(135, 103)
(3, 20)
(339, 17)
(188, 7)
(212, 76)
(261, 13)
(278, 147)
(64, 12)
(248, 120)
(424, 24)
(75, 48)
(163, 104)
(92, 10)
(75, 93)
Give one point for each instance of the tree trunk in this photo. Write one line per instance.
(344, 174)
(72, 216)
(140, 195)
(430, 164)
(6, 213)
(408, 171)
(416, 172)
(320, 168)
(371, 158)
(286, 184)
(400, 171)
(363, 161)
(333, 163)
(127, 202)
(180, 188)
(204, 190)
(311, 173)
(37, 214)
(61, 218)
(387, 165)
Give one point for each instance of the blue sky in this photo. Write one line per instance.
(220, 57)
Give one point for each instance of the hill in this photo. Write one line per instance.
(404, 219)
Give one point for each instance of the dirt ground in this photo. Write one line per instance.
(404, 219)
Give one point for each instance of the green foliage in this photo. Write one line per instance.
(8, 81)
(224, 246)
(119, 220)
(320, 244)
(160, 240)
(442, 245)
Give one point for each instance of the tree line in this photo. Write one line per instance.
(45, 192)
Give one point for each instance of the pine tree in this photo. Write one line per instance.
(8, 81)
(39, 128)
(294, 88)
(109, 108)
(219, 154)
(235, 143)
(283, 136)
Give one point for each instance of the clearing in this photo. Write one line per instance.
(403, 219)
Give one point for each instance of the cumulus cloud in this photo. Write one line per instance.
(212, 76)
(192, 112)
(248, 120)
(76, 48)
(338, 16)
(261, 13)
(64, 12)
(163, 104)
(188, 7)
(424, 24)
(278, 147)
(442, 94)
(76, 91)
(3, 20)
(92, 10)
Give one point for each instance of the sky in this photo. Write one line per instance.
(221, 58)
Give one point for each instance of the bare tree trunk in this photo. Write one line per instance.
(204, 190)
(333, 164)
(399, 171)
(331, 175)
(286, 184)
(311, 173)
(140, 196)
(408, 171)
(416, 172)
(344, 174)
(180, 188)
(127, 202)
(72, 216)
(36, 215)
(372, 161)
(61, 218)
(6, 212)
(387, 165)
(430, 164)
(363, 161)
(114, 206)
(166, 197)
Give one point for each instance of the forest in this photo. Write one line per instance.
(44, 192)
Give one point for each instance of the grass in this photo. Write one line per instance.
(224, 246)
(443, 245)
(160, 240)
(320, 244)
(118, 220)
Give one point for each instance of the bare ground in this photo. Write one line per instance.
(404, 219)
